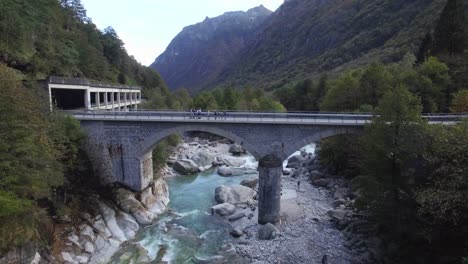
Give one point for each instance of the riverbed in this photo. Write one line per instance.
(187, 233)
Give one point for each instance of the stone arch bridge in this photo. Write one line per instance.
(121, 143)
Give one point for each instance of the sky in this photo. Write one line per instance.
(148, 26)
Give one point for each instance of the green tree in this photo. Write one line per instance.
(374, 82)
(344, 95)
(460, 102)
(391, 142)
(29, 161)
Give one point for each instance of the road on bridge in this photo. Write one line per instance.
(351, 119)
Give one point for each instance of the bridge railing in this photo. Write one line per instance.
(261, 117)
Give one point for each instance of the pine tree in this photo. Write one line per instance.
(425, 49)
(391, 142)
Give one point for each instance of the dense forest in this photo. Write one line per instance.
(411, 177)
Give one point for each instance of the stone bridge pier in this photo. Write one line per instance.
(121, 151)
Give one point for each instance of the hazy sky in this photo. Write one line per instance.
(148, 26)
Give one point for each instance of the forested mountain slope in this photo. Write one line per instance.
(306, 37)
(51, 37)
(302, 39)
(199, 53)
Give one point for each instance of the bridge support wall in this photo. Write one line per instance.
(270, 168)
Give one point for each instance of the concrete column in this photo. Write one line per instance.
(118, 99)
(270, 168)
(87, 100)
(113, 100)
(97, 99)
(50, 98)
(136, 101)
(106, 100)
(125, 101)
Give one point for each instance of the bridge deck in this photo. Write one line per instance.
(340, 119)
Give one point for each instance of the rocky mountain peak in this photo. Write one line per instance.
(201, 50)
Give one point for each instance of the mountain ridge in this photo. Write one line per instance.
(304, 38)
(199, 51)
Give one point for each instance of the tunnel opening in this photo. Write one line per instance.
(67, 99)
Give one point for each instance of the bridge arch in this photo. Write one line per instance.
(298, 143)
(151, 141)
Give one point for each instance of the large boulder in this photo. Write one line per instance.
(236, 149)
(267, 232)
(251, 183)
(156, 197)
(223, 209)
(231, 161)
(315, 175)
(322, 183)
(127, 224)
(108, 214)
(126, 201)
(186, 166)
(203, 158)
(224, 171)
(235, 194)
(296, 159)
(337, 214)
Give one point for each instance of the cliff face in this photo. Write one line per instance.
(303, 38)
(198, 53)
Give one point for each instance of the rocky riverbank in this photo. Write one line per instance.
(116, 220)
(318, 223)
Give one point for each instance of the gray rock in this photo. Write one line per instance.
(296, 159)
(89, 247)
(315, 175)
(85, 216)
(236, 217)
(127, 224)
(129, 204)
(236, 149)
(293, 165)
(185, 166)
(267, 232)
(67, 257)
(235, 194)
(223, 209)
(101, 228)
(108, 214)
(87, 233)
(203, 158)
(82, 259)
(224, 171)
(337, 214)
(231, 161)
(251, 183)
(237, 232)
(322, 183)
(286, 172)
(338, 203)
